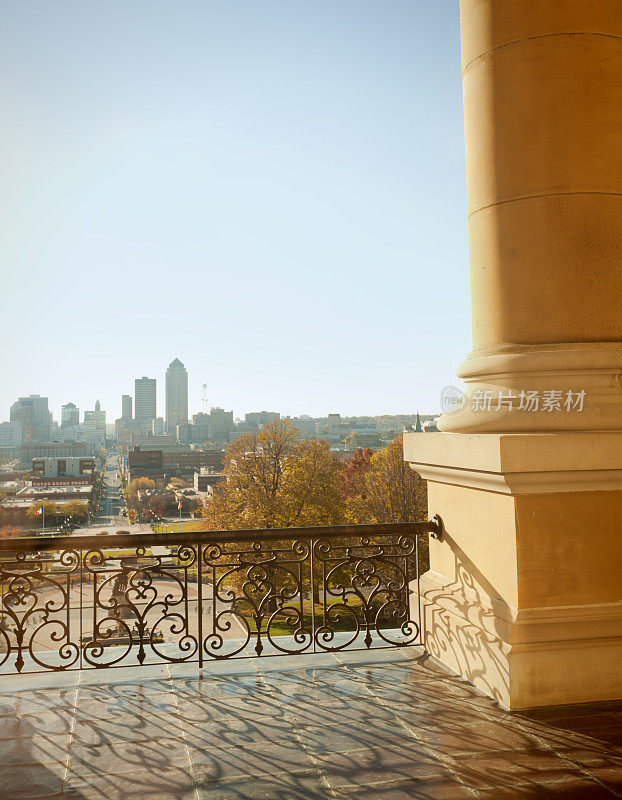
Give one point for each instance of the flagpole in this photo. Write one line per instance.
(43, 512)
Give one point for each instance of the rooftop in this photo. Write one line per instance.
(52, 491)
(382, 725)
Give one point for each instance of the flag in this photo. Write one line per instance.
(179, 505)
(39, 511)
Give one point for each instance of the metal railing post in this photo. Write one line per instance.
(200, 602)
(312, 587)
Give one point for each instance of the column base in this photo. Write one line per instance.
(524, 595)
(528, 658)
(591, 372)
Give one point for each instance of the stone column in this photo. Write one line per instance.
(542, 85)
(524, 594)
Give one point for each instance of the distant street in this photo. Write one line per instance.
(111, 503)
(109, 519)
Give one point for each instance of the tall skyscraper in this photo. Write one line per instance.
(145, 399)
(35, 417)
(69, 416)
(176, 396)
(126, 406)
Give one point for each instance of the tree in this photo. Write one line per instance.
(144, 484)
(138, 485)
(275, 480)
(51, 510)
(388, 491)
(75, 509)
(158, 504)
(354, 472)
(195, 506)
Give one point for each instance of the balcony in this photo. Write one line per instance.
(251, 665)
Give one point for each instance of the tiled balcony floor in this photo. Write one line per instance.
(386, 725)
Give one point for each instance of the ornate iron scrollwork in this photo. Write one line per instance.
(138, 604)
(35, 617)
(257, 587)
(103, 601)
(366, 582)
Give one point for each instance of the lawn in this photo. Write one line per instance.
(184, 526)
(279, 626)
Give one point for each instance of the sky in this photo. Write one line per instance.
(272, 191)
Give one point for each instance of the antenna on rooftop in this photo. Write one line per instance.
(204, 407)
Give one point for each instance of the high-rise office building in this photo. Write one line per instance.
(221, 424)
(69, 416)
(126, 406)
(96, 418)
(10, 434)
(176, 396)
(35, 417)
(145, 399)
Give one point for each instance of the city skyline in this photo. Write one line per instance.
(318, 262)
(114, 411)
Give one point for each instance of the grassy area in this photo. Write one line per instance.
(184, 525)
(280, 627)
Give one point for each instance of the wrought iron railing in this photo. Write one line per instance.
(119, 600)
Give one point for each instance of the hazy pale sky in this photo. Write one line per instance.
(271, 190)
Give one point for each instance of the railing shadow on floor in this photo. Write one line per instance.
(394, 718)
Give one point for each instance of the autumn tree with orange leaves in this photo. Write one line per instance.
(381, 487)
(277, 480)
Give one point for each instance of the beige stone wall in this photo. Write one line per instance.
(569, 548)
